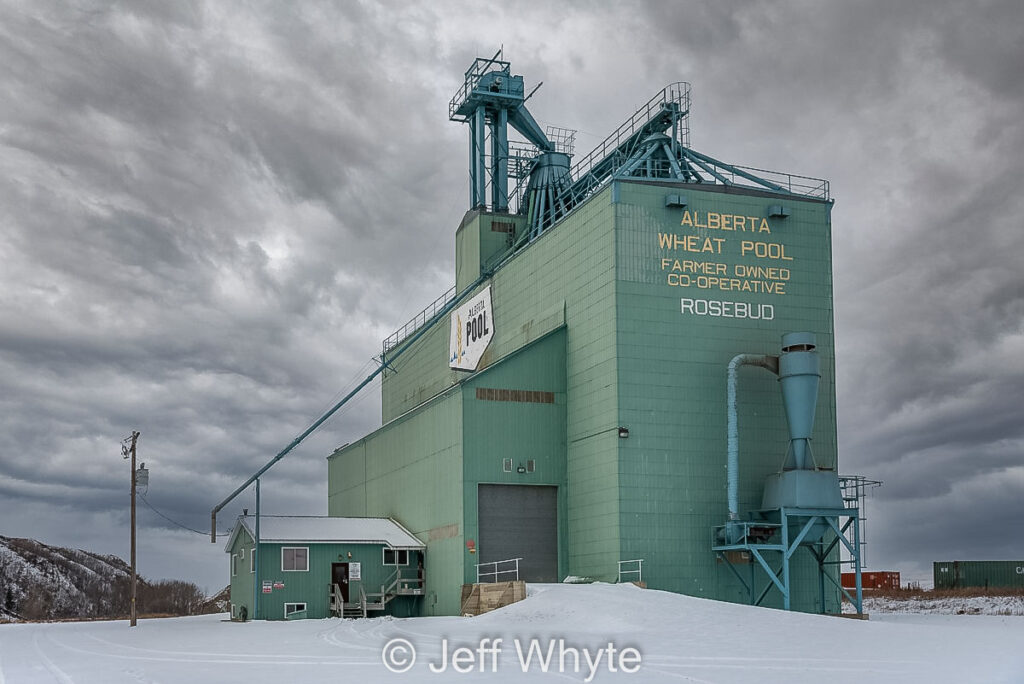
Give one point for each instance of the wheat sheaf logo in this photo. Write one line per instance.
(458, 338)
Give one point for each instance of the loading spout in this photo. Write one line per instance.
(770, 363)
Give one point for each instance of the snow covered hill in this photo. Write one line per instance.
(560, 632)
(39, 581)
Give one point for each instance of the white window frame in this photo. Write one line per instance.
(295, 548)
(252, 561)
(398, 552)
(241, 553)
(234, 565)
(297, 610)
(234, 611)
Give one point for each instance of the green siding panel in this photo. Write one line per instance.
(312, 586)
(411, 470)
(591, 313)
(241, 583)
(515, 430)
(672, 374)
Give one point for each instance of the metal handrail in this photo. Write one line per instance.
(495, 573)
(638, 571)
(678, 92)
(418, 321)
(390, 583)
(476, 71)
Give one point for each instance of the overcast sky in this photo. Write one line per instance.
(211, 214)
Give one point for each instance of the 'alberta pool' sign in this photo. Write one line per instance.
(472, 330)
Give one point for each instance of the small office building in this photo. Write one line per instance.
(317, 567)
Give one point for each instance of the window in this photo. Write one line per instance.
(252, 560)
(396, 556)
(506, 465)
(290, 608)
(234, 564)
(531, 466)
(241, 552)
(234, 611)
(295, 559)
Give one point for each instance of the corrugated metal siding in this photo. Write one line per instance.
(241, 583)
(517, 431)
(411, 470)
(872, 580)
(631, 358)
(672, 381)
(978, 574)
(312, 587)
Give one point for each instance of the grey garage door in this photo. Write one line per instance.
(520, 521)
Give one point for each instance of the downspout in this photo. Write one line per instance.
(770, 363)
(256, 560)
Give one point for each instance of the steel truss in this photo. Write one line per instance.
(762, 538)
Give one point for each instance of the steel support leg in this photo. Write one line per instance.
(785, 558)
(481, 167)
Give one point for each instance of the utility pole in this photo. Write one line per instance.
(131, 452)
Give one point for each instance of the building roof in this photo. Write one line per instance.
(314, 529)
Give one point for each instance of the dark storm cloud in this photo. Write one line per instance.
(912, 112)
(213, 212)
(913, 116)
(203, 205)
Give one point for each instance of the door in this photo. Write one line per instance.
(520, 521)
(339, 576)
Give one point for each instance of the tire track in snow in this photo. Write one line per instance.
(228, 657)
(58, 674)
(206, 658)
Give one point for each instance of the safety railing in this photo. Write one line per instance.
(631, 568)
(749, 176)
(335, 599)
(494, 572)
(477, 71)
(397, 585)
(417, 321)
(675, 96)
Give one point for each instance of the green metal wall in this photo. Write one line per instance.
(979, 574)
(312, 587)
(241, 583)
(518, 430)
(567, 277)
(410, 470)
(573, 268)
(480, 241)
(632, 357)
(672, 371)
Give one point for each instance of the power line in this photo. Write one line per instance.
(170, 520)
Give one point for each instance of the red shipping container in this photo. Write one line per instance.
(872, 580)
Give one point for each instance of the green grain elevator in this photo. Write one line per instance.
(564, 404)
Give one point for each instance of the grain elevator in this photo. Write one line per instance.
(573, 405)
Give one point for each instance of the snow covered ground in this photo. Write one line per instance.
(676, 638)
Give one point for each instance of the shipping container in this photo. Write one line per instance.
(979, 574)
(872, 581)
